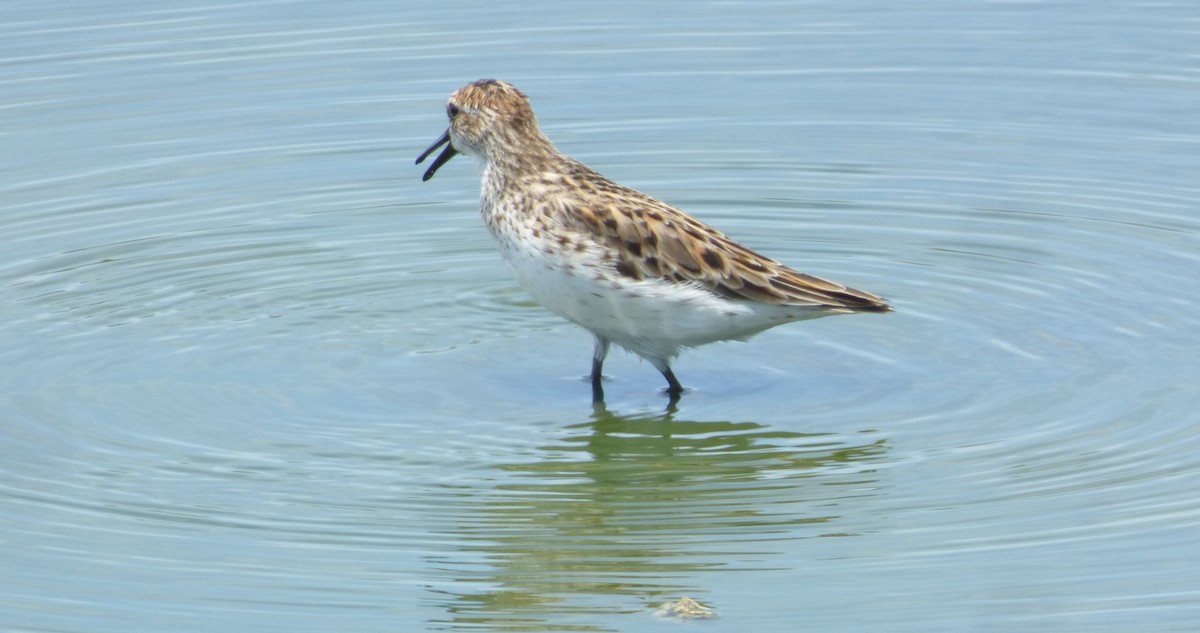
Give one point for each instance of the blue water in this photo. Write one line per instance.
(258, 376)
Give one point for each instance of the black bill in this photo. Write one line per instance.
(446, 155)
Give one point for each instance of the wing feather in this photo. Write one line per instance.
(653, 240)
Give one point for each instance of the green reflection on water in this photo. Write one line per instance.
(643, 507)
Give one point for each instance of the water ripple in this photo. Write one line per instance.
(259, 375)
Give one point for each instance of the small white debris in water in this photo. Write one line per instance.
(684, 609)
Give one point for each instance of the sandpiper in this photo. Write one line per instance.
(631, 269)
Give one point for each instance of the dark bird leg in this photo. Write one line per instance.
(598, 356)
(674, 389)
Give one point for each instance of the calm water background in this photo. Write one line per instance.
(257, 376)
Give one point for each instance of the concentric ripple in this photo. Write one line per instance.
(257, 376)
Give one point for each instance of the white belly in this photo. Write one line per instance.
(652, 318)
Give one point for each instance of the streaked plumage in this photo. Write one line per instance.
(629, 268)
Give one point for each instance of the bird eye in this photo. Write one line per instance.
(451, 110)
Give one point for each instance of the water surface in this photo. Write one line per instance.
(258, 376)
